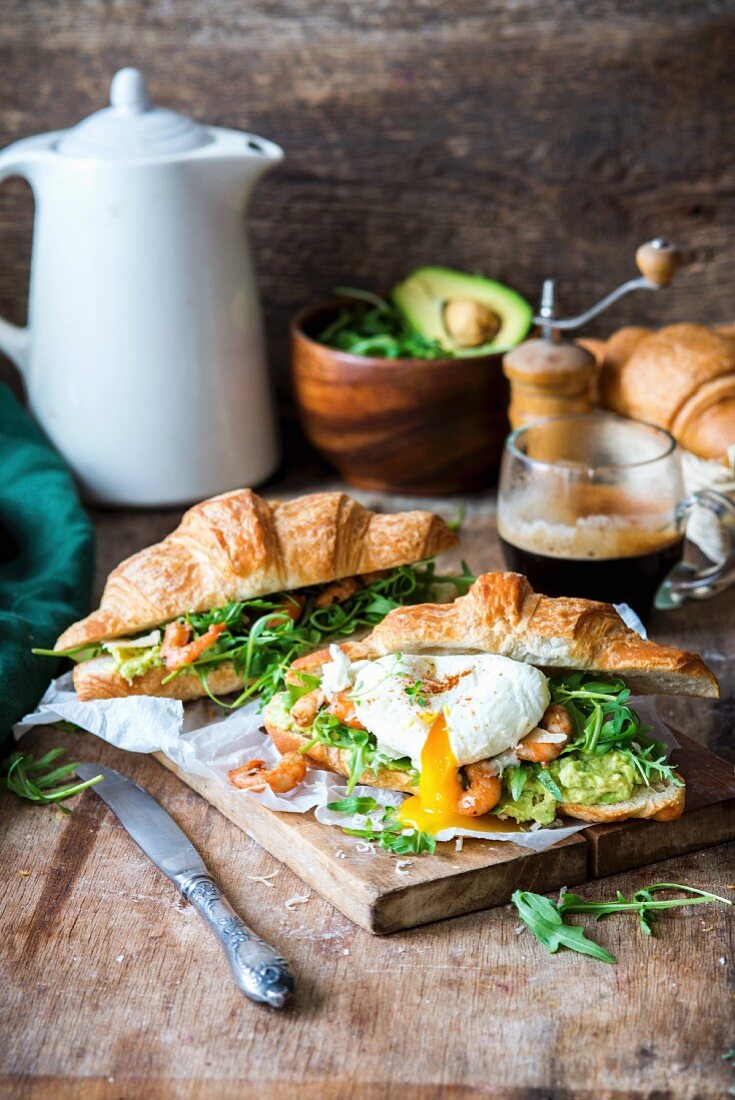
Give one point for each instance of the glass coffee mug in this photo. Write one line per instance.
(594, 505)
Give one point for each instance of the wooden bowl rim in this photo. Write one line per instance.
(349, 359)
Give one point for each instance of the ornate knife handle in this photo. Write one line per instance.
(260, 972)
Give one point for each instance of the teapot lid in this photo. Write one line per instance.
(131, 127)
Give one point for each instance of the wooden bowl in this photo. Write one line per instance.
(424, 426)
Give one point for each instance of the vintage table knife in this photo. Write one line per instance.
(258, 969)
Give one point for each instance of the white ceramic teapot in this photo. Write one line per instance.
(143, 357)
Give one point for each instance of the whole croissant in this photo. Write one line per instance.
(681, 378)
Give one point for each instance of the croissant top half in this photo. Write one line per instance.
(238, 546)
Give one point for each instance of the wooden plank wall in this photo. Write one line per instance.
(519, 137)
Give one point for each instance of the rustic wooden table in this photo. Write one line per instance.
(112, 988)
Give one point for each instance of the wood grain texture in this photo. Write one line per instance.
(453, 1010)
(521, 139)
(369, 889)
(403, 425)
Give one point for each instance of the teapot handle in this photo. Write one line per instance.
(15, 340)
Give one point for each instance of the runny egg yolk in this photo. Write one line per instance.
(434, 808)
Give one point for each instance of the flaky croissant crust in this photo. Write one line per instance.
(237, 546)
(681, 378)
(502, 614)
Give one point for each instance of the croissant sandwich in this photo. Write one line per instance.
(242, 587)
(504, 702)
(681, 378)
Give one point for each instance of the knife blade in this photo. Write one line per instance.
(259, 971)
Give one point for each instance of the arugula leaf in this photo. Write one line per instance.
(456, 523)
(390, 834)
(358, 804)
(362, 747)
(545, 779)
(641, 902)
(543, 919)
(266, 633)
(307, 683)
(604, 721)
(546, 920)
(517, 777)
(369, 325)
(29, 779)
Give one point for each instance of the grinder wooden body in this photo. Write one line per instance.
(548, 378)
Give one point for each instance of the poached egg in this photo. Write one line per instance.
(442, 712)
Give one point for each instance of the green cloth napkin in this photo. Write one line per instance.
(46, 559)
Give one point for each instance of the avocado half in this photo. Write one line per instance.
(466, 314)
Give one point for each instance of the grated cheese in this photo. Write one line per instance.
(297, 899)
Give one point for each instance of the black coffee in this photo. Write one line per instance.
(633, 580)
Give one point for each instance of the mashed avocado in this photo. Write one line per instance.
(130, 663)
(582, 778)
(594, 780)
(277, 712)
(534, 803)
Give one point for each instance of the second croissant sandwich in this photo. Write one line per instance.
(504, 702)
(242, 587)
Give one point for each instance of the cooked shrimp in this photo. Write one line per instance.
(283, 776)
(483, 792)
(338, 592)
(343, 707)
(537, 745)
(178, 651)
(304, 709)
(557, 719)
(291, 605)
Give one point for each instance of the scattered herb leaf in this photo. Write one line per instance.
(546, 920)
(37, 781)
(415, 693)
(456, 523)
(389, 833)
(357, 804)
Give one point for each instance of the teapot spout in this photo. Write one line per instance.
(241, 159)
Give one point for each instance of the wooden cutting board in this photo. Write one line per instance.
(369, 888)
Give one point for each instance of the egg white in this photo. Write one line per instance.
(489, 702)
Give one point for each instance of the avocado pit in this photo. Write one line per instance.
(470, 323)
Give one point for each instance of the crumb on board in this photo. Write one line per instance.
(364, 846)
(297, 899)
(402, 866)
(458, 844)
(24, 874)
(346, 951)
(264, 879)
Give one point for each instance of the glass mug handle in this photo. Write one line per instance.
(685, 582)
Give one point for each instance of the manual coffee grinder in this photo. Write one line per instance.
(552, 376)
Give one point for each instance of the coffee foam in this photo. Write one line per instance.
(592, 522)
